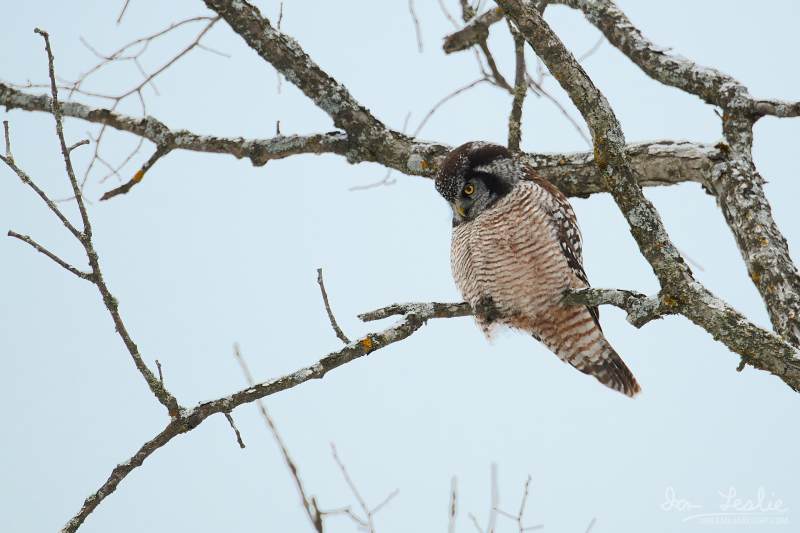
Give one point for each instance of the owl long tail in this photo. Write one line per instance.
(577, 339)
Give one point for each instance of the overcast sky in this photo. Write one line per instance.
(209, 251)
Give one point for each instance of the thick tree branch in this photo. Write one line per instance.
(711, 85)
(740, 195)
(734, 180)
(679, 289)
(289, 58)
(656, 163)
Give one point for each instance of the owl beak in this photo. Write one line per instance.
(459, 209)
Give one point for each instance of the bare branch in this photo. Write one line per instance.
(656, 163)
(453, 509)
(430, 310)
(41, 249)
(7, 137)
(353, 488)
(520, 90)
(444, 100)
(174, 428)
(368, 513)
(85, 238)
(77, 145)
(641, 309)
(389, 497)
(23, 176)
(734, 180)
(286, 55)
(191, 418)
(336, 329)
(476, 31)
(122, 12)
(235, 430)
(160, 152)
(415, 19)
(87, 228)
(309, 504)
(713, 86)
(495, 501)
(497, 77)
(519, 518)
(777, 108)
(679, 289)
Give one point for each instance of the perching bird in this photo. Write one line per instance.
(516, 249)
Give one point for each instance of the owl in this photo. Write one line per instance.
(516, 250)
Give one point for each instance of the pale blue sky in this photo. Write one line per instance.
(209, 250)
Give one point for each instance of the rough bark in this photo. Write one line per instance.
(657, 162)
(679, 291)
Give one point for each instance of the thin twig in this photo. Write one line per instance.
(492, 524)
(41, 249)
(122, 12)
(85, 238)
(125, 54)
(499, 79)
(453, 509)
(160, 152)
(417, 30)
(235, 429)
(474, 520)
(369, 513)
(77, 144)
(443, 101)
(385, 502)
(387, 178)
(519, 518)
(309, 504)
(336, 329)
(538, 89)
(7, 137)
(353, 487)
(278, 77)
(520, 90)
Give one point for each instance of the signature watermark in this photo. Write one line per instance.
(730, 508)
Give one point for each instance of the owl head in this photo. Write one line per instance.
(474, 176)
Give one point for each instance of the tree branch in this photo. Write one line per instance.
(42, 250)
(656, 163)
(734, 180)
(474, 32)
(679, 289)
(520, 90)
(191, 418)
(641, 309)
(335, 325)
(85, 238)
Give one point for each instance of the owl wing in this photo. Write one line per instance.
(567, 232)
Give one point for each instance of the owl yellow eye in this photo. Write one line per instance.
(469, 189)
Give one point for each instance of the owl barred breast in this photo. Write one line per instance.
(516, 249)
